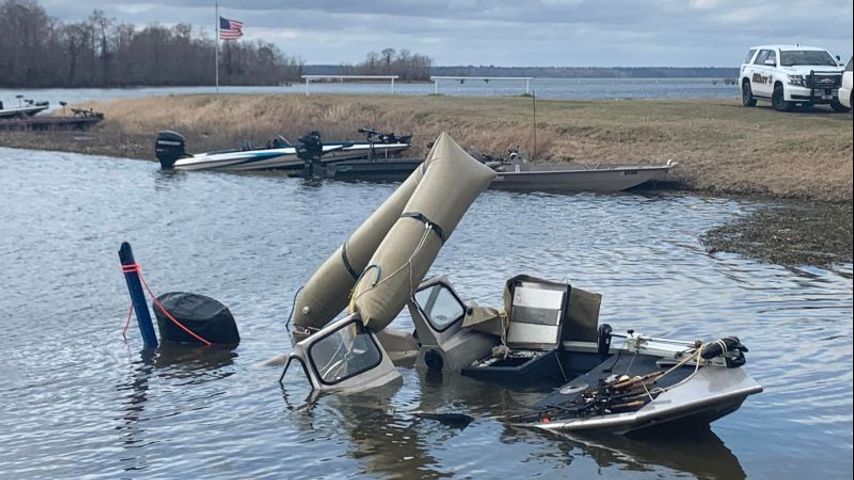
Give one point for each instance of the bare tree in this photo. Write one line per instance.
(38, 51)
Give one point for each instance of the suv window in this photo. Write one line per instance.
(848, 67)
(789, 58)
(772, 55)
(749, 55)
(760, 59)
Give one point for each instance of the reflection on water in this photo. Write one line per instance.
(77, 401)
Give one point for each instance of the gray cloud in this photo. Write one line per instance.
(505, 32)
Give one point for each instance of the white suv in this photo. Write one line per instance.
(790, 74)
(845, 89)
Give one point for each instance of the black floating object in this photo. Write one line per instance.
(205, 317)
(456, 420)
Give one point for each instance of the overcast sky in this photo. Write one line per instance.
(509, 32)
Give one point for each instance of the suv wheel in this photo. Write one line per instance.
(747, 98)
(778, 100)
(837, 106)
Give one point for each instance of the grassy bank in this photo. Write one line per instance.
(721, 147)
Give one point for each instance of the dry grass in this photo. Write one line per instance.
(721, 147)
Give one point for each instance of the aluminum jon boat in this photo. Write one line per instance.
(279, 154)
(546, 333)
(520, 175)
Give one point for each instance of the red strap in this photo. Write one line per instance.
(137, 268)
(127, 322)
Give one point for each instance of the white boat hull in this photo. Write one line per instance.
(22, 111)
(712, 393)
(279, 158)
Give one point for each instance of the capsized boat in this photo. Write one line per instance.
(546, 333)
(517, 174)
(278, 153)
(26, 108)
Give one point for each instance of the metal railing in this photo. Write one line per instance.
(462, 79)
(309, 78)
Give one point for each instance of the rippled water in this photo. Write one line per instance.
(78, 401)
(556, 88)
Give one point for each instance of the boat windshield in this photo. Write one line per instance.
(441, 307)
(344, 353)
(790, 58)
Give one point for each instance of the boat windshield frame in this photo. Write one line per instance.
(362, 330)
(427, 317)
(305, 371)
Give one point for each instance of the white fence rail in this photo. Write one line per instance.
(309, 78)
(462, 79)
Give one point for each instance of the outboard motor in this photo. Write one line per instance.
(730, 348)
(310, 150)
(169, 147)
(203, 316)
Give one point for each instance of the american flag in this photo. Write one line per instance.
(230, 29)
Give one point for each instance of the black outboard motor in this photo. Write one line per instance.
(730, 348)
(169, 147)
(310, 151)
(205, 317)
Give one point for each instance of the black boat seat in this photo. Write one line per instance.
(582, 319)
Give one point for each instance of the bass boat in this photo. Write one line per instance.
(170, 148)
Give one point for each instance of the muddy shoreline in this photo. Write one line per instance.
(790, 234)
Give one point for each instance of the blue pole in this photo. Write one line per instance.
(137, 296)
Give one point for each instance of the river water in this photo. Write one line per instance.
(553, 88)
(78, 401)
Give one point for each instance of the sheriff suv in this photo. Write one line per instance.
(788, 75)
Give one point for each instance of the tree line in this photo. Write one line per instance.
(407, 65)
(37, 50)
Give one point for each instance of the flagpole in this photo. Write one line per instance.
(216, 40)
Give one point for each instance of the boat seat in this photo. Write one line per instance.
(536, 314)
(278, 142)
(582, 318)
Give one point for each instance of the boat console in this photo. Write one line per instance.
(522, 343)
